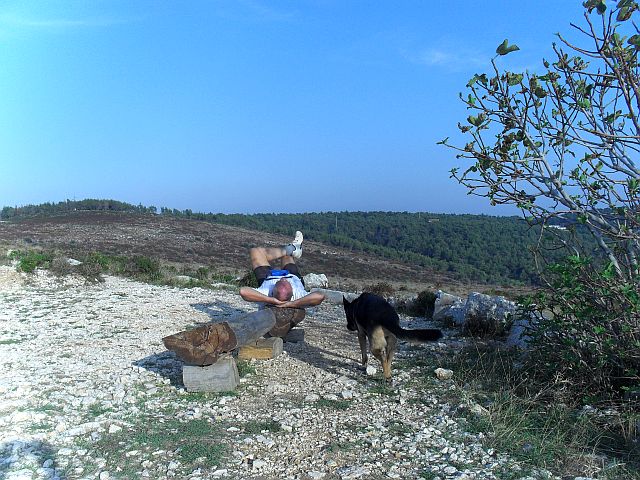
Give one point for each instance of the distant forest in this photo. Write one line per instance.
(470, 247)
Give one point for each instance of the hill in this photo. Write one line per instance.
(469, 248)
(188, 244)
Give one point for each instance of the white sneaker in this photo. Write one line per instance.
(295, 248)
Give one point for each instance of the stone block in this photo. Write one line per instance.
(221, 376)
(262, 349)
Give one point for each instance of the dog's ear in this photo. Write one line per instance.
(345, 302)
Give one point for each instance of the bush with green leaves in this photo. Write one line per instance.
(30, 260)
(587, 336)
(561, 144)
(422, 306)
(249, 280)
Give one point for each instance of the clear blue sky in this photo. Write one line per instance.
(215, 105)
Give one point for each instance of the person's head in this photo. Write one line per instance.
(282, 290)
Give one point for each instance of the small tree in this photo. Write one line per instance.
(563, 146)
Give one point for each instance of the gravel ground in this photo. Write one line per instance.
(87, 390)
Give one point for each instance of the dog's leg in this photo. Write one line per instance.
(362, 339)
(392, 343)
(379, 350)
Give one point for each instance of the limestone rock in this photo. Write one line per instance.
(485, 314)
(443, 373)
(315, 280)
(448, 309)
(335, 296)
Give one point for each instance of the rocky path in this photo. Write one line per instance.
(87, 390)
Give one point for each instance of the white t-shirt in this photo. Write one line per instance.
(296, 285)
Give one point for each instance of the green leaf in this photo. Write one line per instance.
(540, 92)
(635, 41)
(627, 7)
(599, 5)
(584, 103)
(442, 142)
(476, 121)
(599, 330)
(504, 48)
(514, 78)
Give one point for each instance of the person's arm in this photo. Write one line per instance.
(310, 300)
(252, 295)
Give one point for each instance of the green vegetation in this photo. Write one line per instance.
(541, 424)
(560, 144)
(28, 261)
(245, 368)
(255, 426)
(332, 404)
(138, 267)
(468, 247)
(89, 204)
(591, 341)
(192, 443)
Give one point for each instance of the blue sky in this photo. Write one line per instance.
(251, 106)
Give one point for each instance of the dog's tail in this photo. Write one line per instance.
(418, 335)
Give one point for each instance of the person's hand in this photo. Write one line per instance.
(276, 303)
(284, 305)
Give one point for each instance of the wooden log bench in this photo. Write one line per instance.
(206, 349)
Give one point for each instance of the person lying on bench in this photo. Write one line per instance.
(283, 287)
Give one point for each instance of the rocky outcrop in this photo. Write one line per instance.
(488, 315)
(478, 315)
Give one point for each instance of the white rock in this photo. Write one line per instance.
(314, 280)
(443, 373)
(114, 428)
(371, 370)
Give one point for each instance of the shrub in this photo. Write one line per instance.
(422, 306)
(91, 271)
(202, 273)
(98, 259)
(146, 265)
(60, 267)
(382, 289)
(589, 336)
(249, 280)
(29, 261)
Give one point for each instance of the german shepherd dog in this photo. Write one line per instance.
(376, 320)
